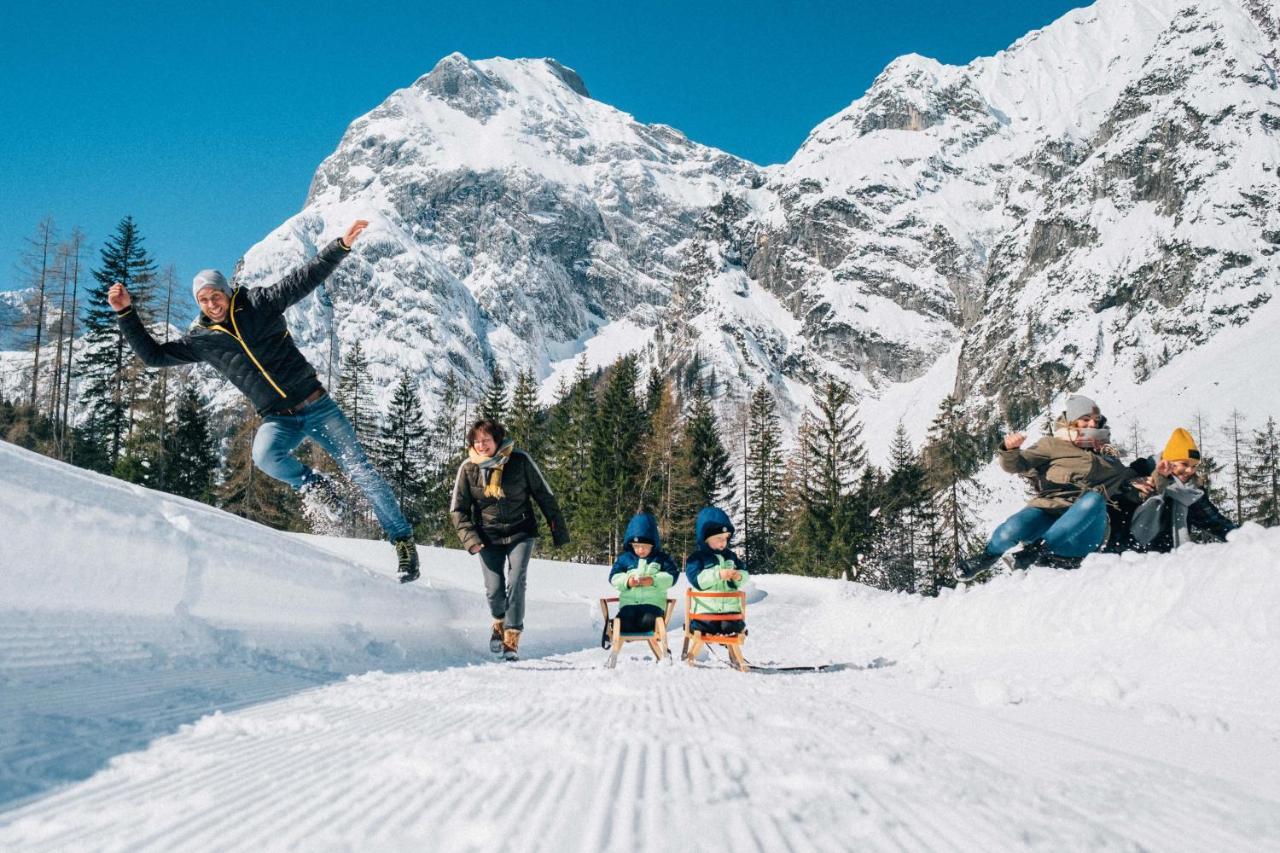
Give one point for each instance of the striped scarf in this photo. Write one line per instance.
(493, 464)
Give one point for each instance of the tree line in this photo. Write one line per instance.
(611, 443)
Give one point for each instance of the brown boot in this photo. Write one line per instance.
(510, 644)
(495, 637)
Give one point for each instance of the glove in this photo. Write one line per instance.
(559, 534)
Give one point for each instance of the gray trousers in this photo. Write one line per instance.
(505, 590)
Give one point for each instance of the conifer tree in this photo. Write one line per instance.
(764, 482)
(664, 485)
(355, 395)
(833, 445)
(143, 459)
(526, 420)
(108, 365)
(952, 456)
(568, 457)
(445, 440)
(1262, 476)
(613, 479)
(191, 457)
(654, 389)
(705, 456)
(402, 449)
(905, 513)
(494, 403)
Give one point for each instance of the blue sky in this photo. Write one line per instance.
(205, 122)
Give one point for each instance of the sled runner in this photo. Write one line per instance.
(657, 638)
(694, 640)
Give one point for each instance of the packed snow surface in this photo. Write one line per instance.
(172, 677)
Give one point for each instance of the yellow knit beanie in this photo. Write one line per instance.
(1181, 447)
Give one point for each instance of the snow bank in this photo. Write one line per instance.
(1193, 636)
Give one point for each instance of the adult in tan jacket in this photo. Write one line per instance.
(1074, 473)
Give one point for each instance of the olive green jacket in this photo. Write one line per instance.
(1060, 472)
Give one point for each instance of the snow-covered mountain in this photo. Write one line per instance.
(1077, 210)
(514, 217)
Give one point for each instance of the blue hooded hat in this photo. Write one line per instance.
(711, 517)
(644, 527)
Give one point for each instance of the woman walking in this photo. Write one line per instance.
(492, 509)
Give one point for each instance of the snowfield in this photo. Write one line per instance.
(172, 677)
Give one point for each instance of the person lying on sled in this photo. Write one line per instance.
(715, 568)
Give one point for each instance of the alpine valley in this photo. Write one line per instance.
(1094, 208)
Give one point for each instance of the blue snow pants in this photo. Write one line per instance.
(1075, 533)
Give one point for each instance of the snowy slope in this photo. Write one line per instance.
(192, 681)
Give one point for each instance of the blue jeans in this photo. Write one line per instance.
(325, 424)
(1078, 531)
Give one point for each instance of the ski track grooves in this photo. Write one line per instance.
(634, 759)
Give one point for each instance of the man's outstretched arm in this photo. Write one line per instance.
(306, 278)
(152, 353)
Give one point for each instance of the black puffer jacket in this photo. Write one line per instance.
(482, 520)
(252, 347)
(1201, 515)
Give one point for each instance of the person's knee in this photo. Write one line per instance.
(1091, 502)
(265, 453)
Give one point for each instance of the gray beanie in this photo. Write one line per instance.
(1079, 407)
(209, 278)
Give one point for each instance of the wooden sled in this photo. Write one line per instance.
(657, 638)
(695, 640)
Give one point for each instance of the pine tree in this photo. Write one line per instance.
(110, 369)
(143, 459)
(764, 482)
(903, 553)
(705, 456)
(246, 491)
(655, 388)
(526, 421)
(1262, 477)
(664, 486)
(571, 427)
(191, 455)
(612, 494)
(445, 440)
(403, 449)
(830, 527)
(494, 404)
(952, 456)
(355, 395)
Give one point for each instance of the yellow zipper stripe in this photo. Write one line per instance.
(231, 312)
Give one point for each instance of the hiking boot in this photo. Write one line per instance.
(1038, 554)
(511, 644)
(323, 505)
(406, 560)
(495, 637)
(1032, 554)
(968, 568)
